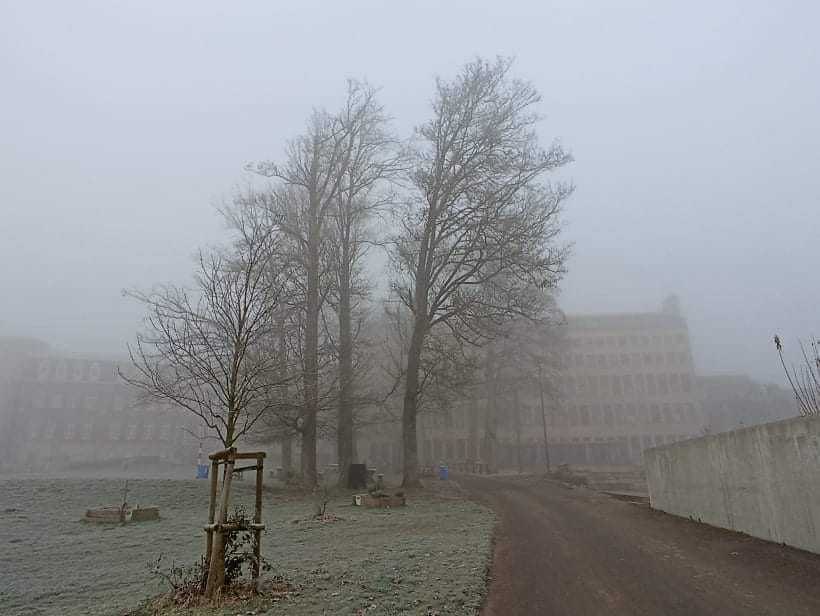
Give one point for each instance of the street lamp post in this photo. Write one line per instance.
(543, 416)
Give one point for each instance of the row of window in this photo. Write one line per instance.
(90, 402)
(436, 450)
(628, 360)
(115, 431)
(623, 341)
(614, 414)
(74, 370)
(626, 384)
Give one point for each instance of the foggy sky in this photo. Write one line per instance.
(695, 130)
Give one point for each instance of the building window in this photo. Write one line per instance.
(686, 381)
(148, 431)
(114, 431)
(51, 429)
(674, 383)
(608, 415)
(650, 384)
(34, 429)
(663, 383)
(62, 370)
(77, 372)
(42, 370)
(131, 432)
(94, 372)
(584, 412)
(656, 413)
(87, 431)
(69, 431)
(593, 385)
(165, 432)
(616, 385)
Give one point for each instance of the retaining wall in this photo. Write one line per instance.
(763, 480)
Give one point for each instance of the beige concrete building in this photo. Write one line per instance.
(628, 383)
(60, 410)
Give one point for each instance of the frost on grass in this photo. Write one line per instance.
(427, 558)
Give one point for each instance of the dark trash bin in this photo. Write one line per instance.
(357, 477)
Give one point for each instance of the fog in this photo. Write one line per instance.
(695, 133)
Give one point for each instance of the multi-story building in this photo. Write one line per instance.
(58, 410)
(627, 383)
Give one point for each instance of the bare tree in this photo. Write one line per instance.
(311, 177)
(477, 243)
(371, 160)
(328, 185)
(805, 380)
(209, 350)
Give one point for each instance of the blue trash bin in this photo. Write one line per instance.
(201, 471)
(442, 472)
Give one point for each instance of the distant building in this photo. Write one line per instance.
(628, 384)
(736, 401)
(59, 410)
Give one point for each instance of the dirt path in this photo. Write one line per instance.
(574, 552)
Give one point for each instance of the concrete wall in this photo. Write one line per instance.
(763, 480)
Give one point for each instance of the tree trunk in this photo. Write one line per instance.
(491, 414)
(517, 410)
(287, 455)
(410, 410)
(344, 434)
(311, 375)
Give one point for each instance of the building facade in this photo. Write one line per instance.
(627, 384)
(59, 411)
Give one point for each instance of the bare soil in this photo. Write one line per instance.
(572, 551)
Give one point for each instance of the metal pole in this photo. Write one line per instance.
(543, 416)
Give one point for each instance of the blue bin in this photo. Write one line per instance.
(201, 471)
(442, 472)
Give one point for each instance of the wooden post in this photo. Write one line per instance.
(257, 518)
(211, 512)
(216, 566)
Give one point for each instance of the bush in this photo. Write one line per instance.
(187, 583)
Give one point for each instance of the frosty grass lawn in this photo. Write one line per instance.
(427, 558)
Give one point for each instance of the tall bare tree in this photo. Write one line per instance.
(311, 176)
(478, 242)
(371, 161)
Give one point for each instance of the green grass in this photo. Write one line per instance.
(427, 558)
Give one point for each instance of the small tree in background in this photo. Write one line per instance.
(805, 379)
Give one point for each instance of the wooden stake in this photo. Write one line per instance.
(211, 511)
(257, 518)
(216, 566)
